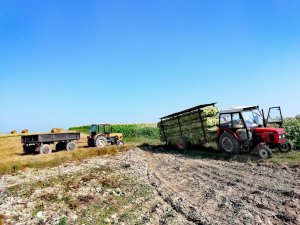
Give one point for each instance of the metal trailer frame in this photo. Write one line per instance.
(33, 142)
(178, 114)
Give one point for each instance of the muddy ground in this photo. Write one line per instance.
(152, 186)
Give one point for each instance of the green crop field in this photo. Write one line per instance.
(129, 131)
(292, 128)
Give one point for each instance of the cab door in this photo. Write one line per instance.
(275, 116)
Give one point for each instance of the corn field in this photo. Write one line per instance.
(292, 128)
(148, 130)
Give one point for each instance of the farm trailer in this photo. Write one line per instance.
(196, 126)
(40, 143)
(235, 129)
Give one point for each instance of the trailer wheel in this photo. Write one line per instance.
(229, 144)
(45, 149)
(71, 146)
(100, 141)
(264, 151)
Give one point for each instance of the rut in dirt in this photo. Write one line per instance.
(209, 191)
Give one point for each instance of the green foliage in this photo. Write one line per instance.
(129, 130)
(292, 128)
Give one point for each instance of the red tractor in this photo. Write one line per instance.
(245, 128)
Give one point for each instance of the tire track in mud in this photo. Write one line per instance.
(230, 193)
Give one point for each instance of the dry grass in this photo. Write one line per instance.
(13, 160)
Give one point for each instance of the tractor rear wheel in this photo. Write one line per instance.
(229, 144)
(264, 151)
(100, 141)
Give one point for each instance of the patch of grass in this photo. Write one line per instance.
(37, 209)
(62, 221)
(142, 140)
(122, 195)
(291, 158)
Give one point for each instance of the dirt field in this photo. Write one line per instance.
(152, 186)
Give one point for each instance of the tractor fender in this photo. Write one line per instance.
(221, 131)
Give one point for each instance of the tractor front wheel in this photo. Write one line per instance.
(229, 144)
(100, 141)
(264, 151)
(286, 147)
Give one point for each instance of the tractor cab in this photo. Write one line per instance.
(104, 128)
(102, 134)
(241, 120)
(244, 128)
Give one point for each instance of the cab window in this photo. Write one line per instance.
(225, 120)
(237, 122)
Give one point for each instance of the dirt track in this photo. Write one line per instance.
(194, 191)
(221, 192)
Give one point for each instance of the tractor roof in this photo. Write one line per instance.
(239, 109)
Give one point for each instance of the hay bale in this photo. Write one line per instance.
(56, 130)
(24, 131)
(13, 132)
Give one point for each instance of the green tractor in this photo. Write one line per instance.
(102, 135)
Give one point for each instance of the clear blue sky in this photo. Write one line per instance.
(66, 63)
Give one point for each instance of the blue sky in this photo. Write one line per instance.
(67, 63)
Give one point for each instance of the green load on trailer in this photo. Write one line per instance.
(196, 126)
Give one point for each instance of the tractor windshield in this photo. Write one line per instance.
(93, 128)
(253, 118)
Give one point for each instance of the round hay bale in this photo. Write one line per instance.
(24, 131)
(13, 132)
(56, 130)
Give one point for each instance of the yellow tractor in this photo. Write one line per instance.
(102, 135)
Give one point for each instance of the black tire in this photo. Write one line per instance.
(26, 149)
(286, 147)
(30, 149)
(91, 143)
(264, 151)
(100, 141)
(45, 149)
(229, 144)
(60, 146)
(71, 146)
